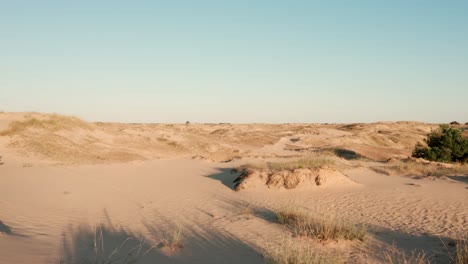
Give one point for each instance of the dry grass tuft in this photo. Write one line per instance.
(173, 240)
(460, 255)
(398, 256)
(51, 123)
(320, 226)
(289, 253)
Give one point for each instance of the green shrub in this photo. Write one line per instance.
(446, 145)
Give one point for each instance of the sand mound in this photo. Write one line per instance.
(64, 139)
(291, 179)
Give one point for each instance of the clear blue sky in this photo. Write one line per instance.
(236, 61)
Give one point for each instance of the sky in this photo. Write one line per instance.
(243, 61)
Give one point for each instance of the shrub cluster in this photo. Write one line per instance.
(446, 145)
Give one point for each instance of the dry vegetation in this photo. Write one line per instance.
(308, 162)
(394, 255)
(320, 226)
(290, 253)
(460, 256)
(422, 169)
(51, 122)
(173, 240)
(121, 253)
(303, 163)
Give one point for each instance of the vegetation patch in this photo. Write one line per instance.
(320, 226)
(393, 255)
(289, 253)
(446, 145)
(51, 123)
(460, 256)
(303, 163)
(424, 169)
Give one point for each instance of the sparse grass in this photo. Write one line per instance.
(52, 122)
(420, 169)
(173, 240)
(120, 254)
(394, 255)
(303, 163)
(289, 253)
(460, 255)
(320, 226)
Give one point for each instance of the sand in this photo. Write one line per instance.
(62, 204)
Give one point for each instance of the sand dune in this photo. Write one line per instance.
(74, 192)
(71, 140)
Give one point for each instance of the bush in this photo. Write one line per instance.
(446, 145)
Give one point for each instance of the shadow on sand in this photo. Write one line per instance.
(225, 177)
(463, 179)
(347, 154)
(382, 239)
(8, 230)
(5, 229)
(379, 240)
(437, 248)
(107, 244)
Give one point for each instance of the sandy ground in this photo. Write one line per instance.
(77, 194)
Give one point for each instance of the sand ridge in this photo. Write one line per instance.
(71, 140)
